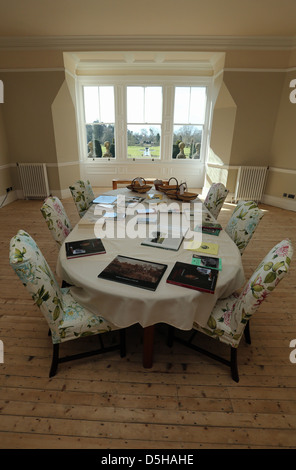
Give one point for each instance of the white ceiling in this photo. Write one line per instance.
(273, 18)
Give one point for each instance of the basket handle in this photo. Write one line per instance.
(184, 185)
(138, 178)
(173, 178)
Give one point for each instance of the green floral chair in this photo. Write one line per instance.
(67, 319)
(215, 198)
(231, 316)
(243, 223)
(83, 196)
(56, 218)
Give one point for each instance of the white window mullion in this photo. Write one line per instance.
(120, 122)
(167, 122)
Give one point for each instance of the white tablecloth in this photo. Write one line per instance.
(126, 305)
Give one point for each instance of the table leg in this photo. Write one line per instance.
(148, 346)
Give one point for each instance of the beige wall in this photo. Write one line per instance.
(27, 114)
(5, 173)
(28, 118)
(64, 125)
(4, 156)
(279, 183)
(283, 148)
(256, 127)
(257, 98)
(253, 120)
(222, 128)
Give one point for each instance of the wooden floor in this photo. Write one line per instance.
(186, 401)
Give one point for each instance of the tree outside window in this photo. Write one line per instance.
(189, 117)
(99, 119)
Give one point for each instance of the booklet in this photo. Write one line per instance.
(166, 239)
(114, 215)
(79, 248)
(104, 199)
(134, 272)
(91, 221)
(211, 225)
(153, 197)
(208, 231)
(208, 221)
(167, 209)
(132, 201)
(193, 277)
(207, 262)
(147, 219)
(203, 247)
(146, 210)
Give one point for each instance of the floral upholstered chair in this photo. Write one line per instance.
(83, 196)
(67, 319)
(56, 218)
(230, 317)
(215, 198)
(243, 223)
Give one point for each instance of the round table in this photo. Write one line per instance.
(125, 305)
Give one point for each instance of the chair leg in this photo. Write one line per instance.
(122, 343)
(171, 331)
(55, 360)
(233, 364)
(101, 341)
(65, 284)
(247, 333)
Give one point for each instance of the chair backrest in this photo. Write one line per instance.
(262, 282)
(31, 267)
(215, 198)
(56, 218)
(83, 195)
(243, 223)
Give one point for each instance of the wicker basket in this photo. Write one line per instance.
(164, 187)
(172, 194)
(185, 197)
(136, 186)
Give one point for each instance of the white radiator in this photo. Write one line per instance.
(34, 181)
(250, 183)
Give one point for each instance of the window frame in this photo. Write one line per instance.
(145, 124)
(120, 84)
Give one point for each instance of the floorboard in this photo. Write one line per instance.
(185, 401)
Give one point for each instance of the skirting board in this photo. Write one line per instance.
(11, 196)
(283, 203)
